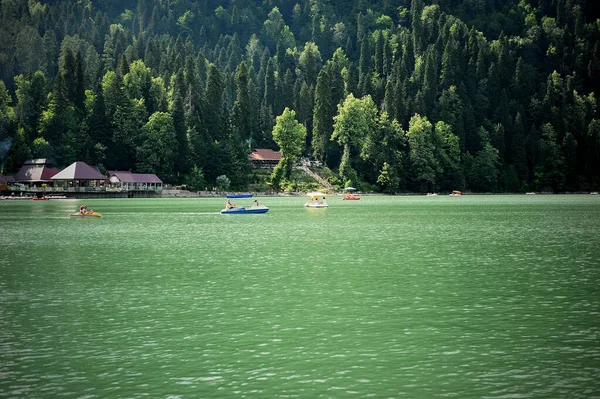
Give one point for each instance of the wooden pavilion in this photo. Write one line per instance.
(80, 177)
(265, 158)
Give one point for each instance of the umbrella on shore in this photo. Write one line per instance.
(349, 189)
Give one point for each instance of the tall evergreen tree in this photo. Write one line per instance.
(241, 107)
(323, 117)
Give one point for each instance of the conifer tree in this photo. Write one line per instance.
(241, 117)
(79, 83)
(323, 116)
(269, 85)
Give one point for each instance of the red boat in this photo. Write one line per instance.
(44, 198)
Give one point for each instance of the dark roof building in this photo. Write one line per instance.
(130, 177)
(265, 157)
(36, 171)
(79, 171)
(5, 181)
(134, 181)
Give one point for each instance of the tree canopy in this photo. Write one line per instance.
(394, 96)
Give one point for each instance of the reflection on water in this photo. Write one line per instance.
(489, 297)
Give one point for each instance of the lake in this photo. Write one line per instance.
(404, 297)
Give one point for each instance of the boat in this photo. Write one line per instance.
(317, 200)
(247, 195)
(350, 196)
(57, 197)
(240, 210)
(455, 193)
(44, 198)
(87, 214)
(233, 209)
(432, 194)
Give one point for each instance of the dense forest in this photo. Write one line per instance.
(390, 95)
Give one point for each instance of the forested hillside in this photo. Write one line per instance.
(391, 95)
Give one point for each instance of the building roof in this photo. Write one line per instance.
(37, 161)
(7, 179)
(129, 177)
(79, 171)
(36, 170)
(265, 154)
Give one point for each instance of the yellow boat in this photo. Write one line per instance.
(88, 214)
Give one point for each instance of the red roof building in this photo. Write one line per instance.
(264, 157)
(36, 171)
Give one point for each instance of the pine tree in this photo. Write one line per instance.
(269, 85)
(241, 118)
(99, 125)
(79, 83)
(178, 116)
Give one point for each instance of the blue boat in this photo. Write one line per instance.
(248, 195)
(241, 210)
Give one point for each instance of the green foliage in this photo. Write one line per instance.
(222, 72)
(424, 166)
(289, 136)
(355, 119)
(223, 183)
(481, 170)
(157, 152)
(195, 179)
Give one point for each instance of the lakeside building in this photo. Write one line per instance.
(79, 180)
(36, 173)
(264, 158)
(79, 176)
(127, 181)
(5, 181)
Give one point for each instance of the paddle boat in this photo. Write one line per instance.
(246, 195)
(317, 200)
(455, 193)
(88, 214)
(85, 212)
(232, 209)
(350, 196)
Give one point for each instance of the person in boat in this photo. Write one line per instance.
(229, 205)
(83, 209)
(255, 204)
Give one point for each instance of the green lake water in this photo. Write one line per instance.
(386, 297)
